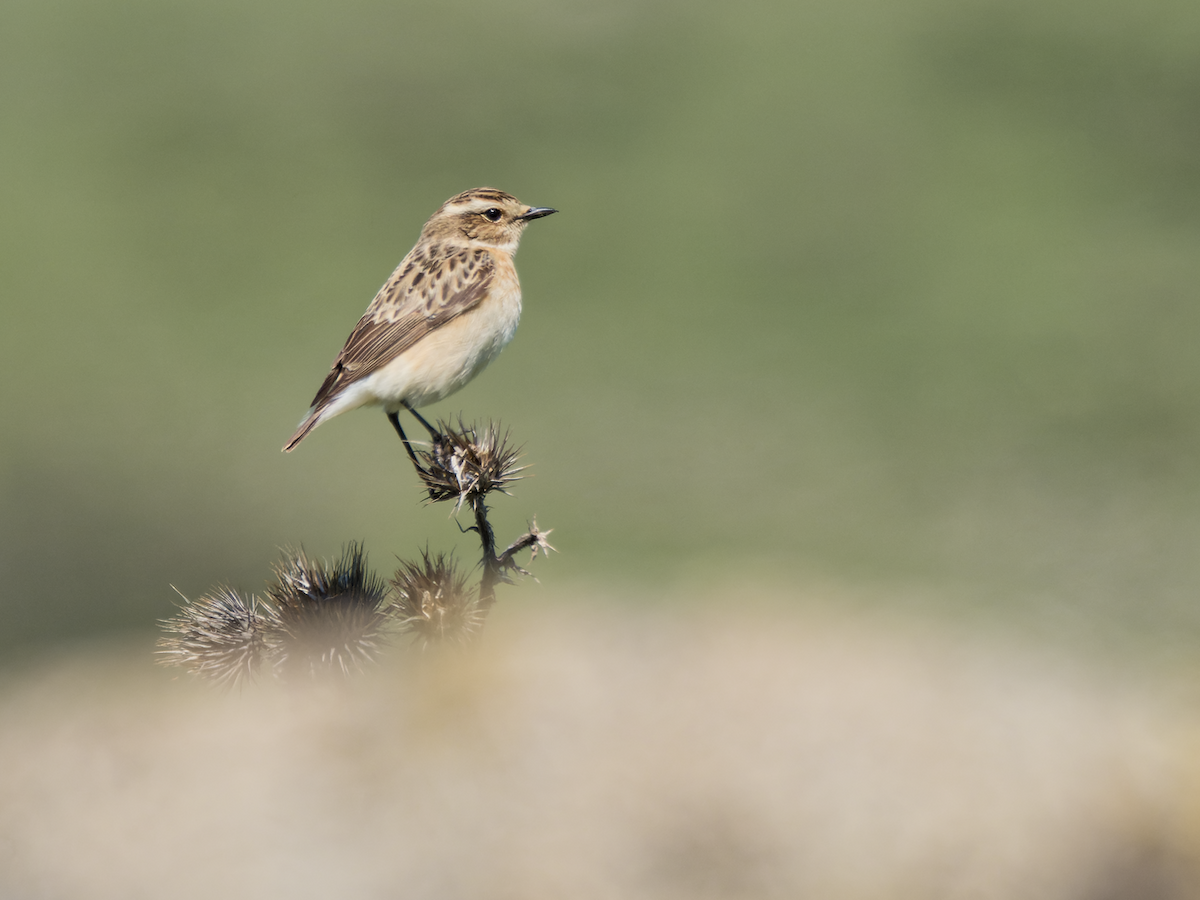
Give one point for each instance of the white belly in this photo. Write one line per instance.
(441, 362)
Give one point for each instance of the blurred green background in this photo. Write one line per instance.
(891, 294)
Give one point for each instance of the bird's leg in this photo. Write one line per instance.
(433, 432)
(394, 418)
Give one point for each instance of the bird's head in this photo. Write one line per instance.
(483, 216)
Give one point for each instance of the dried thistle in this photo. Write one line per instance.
(533, 540)
(336, 617)
(433, 603)
(331, 617)
(221, 636)
(467, 463)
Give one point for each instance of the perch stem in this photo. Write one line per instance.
(491, 565)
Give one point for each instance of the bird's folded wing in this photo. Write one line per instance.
(424, 293)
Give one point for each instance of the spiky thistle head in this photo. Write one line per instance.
(468, 462)
(433, 603)
(221, 636)
(332, 616)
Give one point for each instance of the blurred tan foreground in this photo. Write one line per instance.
(579, 752)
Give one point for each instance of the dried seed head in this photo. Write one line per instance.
(433, 603)
(331, 617)
(467, 463)
(221, 636)
(534, 540)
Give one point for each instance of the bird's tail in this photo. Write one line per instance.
(311, 421)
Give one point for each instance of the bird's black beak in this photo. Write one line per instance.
(537, 212)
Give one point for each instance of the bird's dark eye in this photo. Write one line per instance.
(492, 215)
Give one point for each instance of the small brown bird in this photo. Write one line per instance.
(448, 310)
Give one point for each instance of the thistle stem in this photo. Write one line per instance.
(491, 565)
